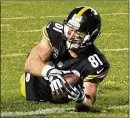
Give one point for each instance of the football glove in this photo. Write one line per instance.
(56, 81)
(76, 93)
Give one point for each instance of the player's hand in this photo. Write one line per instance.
(76, 93)
(56, 81)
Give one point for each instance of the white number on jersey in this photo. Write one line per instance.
(95, 60)
(58, 27)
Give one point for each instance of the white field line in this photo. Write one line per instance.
(104, 34)
(42, 17)
(14, 55)
(36, 30)
(25, 31)
(48, 111)
(5, 25)
(18, 18)
(37, 112)
(115, 50)
(121, 13)
(105, 50)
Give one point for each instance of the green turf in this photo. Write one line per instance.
(18, 36)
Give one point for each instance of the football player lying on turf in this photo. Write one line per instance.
(70, 49)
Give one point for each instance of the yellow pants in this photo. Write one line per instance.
(22, 83)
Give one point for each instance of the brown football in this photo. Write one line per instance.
(71, 79)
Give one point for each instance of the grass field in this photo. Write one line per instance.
(21, 24)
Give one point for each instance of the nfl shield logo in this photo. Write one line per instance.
(55, 52)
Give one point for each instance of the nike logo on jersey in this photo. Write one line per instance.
(99, 71)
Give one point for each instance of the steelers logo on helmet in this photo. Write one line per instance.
(75, 22)
(84, 20)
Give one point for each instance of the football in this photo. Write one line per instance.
(71, 79)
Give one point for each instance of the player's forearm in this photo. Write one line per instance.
(37, 59)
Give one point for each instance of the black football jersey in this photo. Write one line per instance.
(90, 63)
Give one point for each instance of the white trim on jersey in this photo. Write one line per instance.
(44, 34)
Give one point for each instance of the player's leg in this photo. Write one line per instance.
(35, 88)
(90, 92)
(44, 89)
(31, 87)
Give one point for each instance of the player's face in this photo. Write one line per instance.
(74, 38)
(74, 35)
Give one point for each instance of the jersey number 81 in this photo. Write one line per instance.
(95, 60)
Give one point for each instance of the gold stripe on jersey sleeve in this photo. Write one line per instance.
(82, 11)
(44, 32)
(90, 77)
(45, 35)
(93, 76)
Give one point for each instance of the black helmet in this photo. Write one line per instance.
(87, 20)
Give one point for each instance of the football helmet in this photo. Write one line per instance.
(83, 19)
